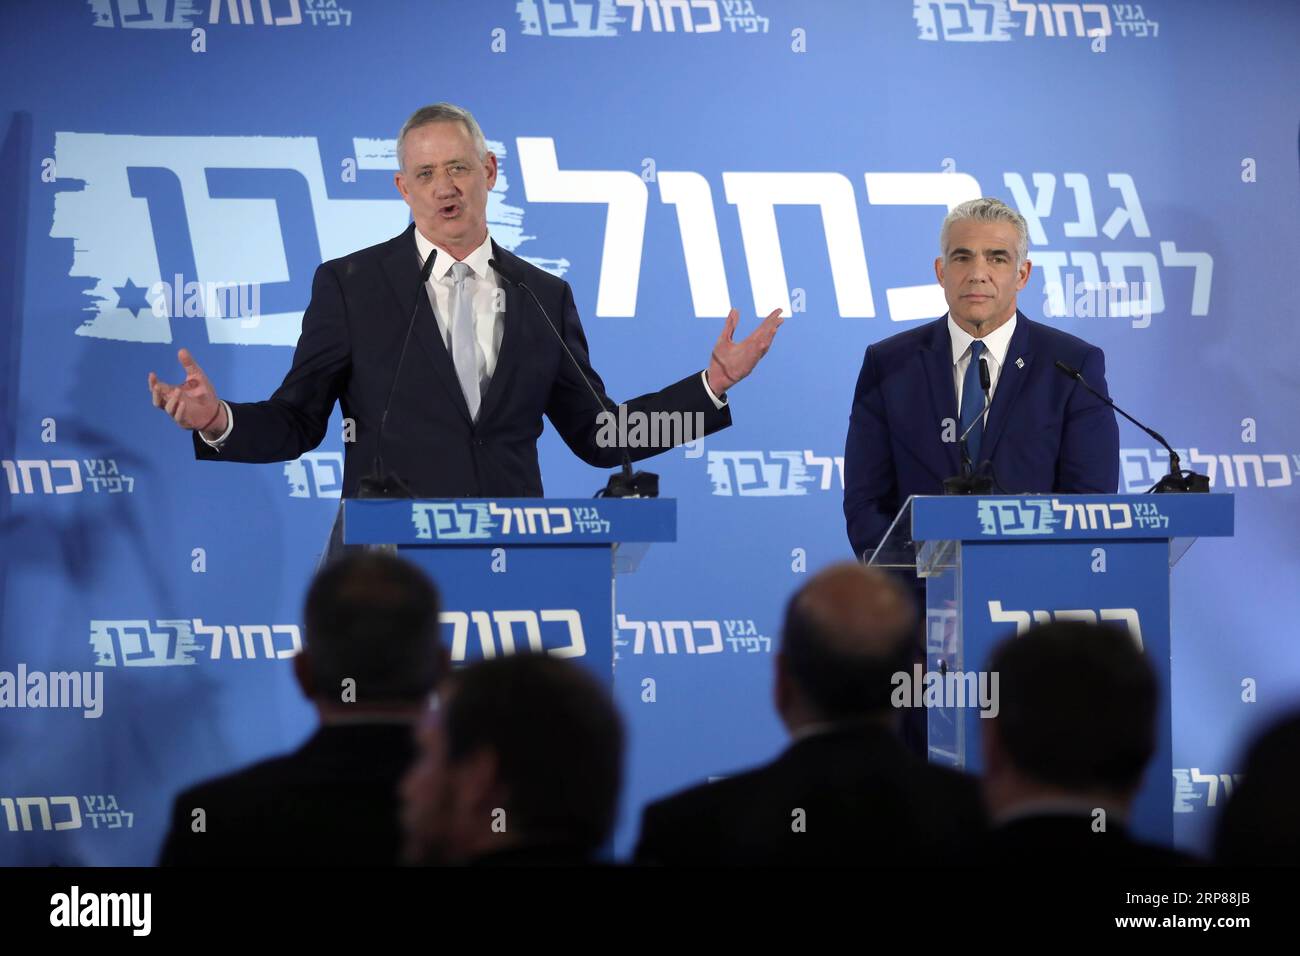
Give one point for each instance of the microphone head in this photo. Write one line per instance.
(1072, 372)
(986, 382)
(427, 268)
(496, 267)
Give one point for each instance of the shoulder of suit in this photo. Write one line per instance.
(693, 800)
(908, 340)
(371, 256)
(254, 778)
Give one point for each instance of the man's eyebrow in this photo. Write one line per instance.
(988, 252)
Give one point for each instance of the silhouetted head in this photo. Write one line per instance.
(1260, 826)
(524, 750)
(1076, 717)
(847, 631)
(371, 636)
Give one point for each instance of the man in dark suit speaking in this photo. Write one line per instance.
(1027, 426)
(482, 369)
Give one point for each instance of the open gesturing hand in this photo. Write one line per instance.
(731, 361)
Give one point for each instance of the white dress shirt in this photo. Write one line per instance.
(482, 283)
(489, 324)
(996, 344)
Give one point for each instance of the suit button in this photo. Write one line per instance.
(480, 442)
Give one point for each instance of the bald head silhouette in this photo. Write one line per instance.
(846, 633)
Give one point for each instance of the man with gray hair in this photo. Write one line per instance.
(976, 396)
(459, 412)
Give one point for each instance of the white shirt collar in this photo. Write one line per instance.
(476, 260)
(996, 342)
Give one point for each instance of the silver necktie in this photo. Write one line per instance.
(463, 346)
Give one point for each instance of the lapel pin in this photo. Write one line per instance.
(1020, 363)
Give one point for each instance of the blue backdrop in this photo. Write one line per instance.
(668, 158)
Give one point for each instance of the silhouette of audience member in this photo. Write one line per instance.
(371, 657)
(1260, 825)
(1064, 757)
(846, 790)
(520, 765)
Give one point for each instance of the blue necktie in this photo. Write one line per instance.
(464, 351)
(972, 405)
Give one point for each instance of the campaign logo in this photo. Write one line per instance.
(188, 14)
(766, 474)
(316, 474)
(1143, 267)
(1188, 795)
(690, 637)
(65, 476)
(452, 521)
(1031, 516)
(1138, 271)
(1023, 620)
(183, 642)
(469, 521)
(38, 813)
(1143, 467)
(131, 252)
(1042, 516)
(609, 18)
(981, 21)
(555, 631)
(149, 219)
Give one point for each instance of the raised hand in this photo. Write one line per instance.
(731, 361)
(193, 404)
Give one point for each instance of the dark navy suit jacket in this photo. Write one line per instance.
(351, 336)
(1045, 432)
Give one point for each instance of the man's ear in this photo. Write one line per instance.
(1026, 268)
(490, 161)
(938, 269)
(302, 674)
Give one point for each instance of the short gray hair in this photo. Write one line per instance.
(988, 209)
(442, 113)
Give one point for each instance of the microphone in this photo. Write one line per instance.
(378, 484)
(968, 483)
(1177, 480)
(986, 386)
(623, 484)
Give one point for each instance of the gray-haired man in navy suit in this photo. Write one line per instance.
(478, 380)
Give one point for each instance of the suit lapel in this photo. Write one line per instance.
(511, 336)
(402, 268)
(937, 359)
(1010, 380)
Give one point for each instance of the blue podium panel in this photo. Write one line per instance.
(996, 565)
(520, 574)
(527, 521)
